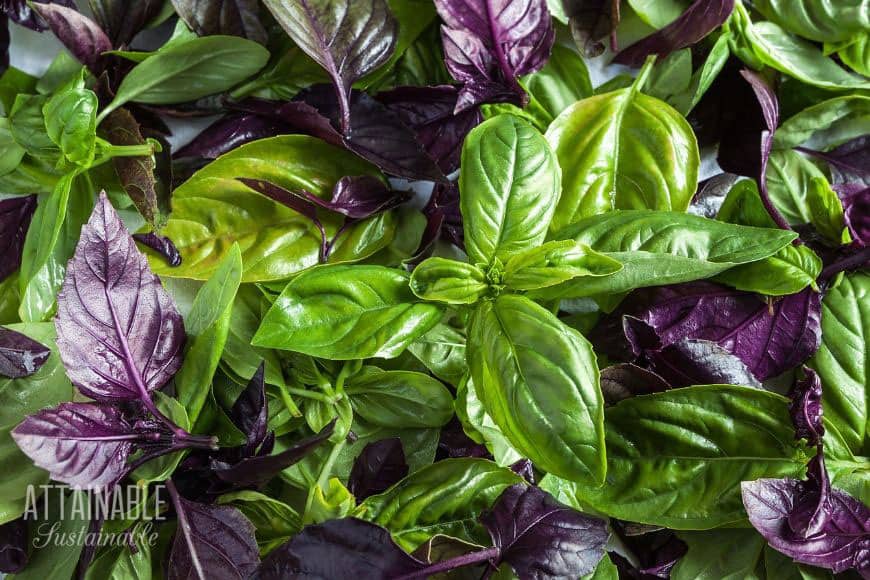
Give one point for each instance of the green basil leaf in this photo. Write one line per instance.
(605, 570)
(211, 210)
(826, 210)
(365, 238)
(563, 81)
(856, 54)
(622, 150)
(71, 121)
(789, 178)
(27, 125)
(556, 262)
(11, 153)
(190, 70)
(448, 281)
(274, 521)
(403, 399)
(18, 399)
(347, 312)
(828, 123)
(676, 459)
(480, 427)
(702, 79)
(510, 184)
(657, 248)
(820, 20)
(207, 326)
(719, 555)
(442, 351)
(538, 380)
(122, 562)
(843, 360)
(444, 498)
(334, 502)
(790, 270)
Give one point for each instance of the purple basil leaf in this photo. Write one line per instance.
(20, 12)
(84, 445)
(699, 20)
(348, 38)
(429, 112)
(812, 501)
(162, 245)
(443, 218)
(14, 541)
(79, 34)
(699, 362)
(122, 20)
(591, 21)
(806, 408)
(625, 380)
(295, 117)
(230, 132)
(489, 43)
(345, 548)
(119, 334)
(380, 465)
(363, 196)
(212, 543)
(250, 412)
(857, 215)
(256, 471)
(849, 163)
(770, 338)
(655, 550)
(228, 17)
(15, 216)
(541, 538)
(525, 469)
(454, 442)
(842, 544)
(20, 356)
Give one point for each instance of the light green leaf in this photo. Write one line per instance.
(274, 521)
(828, 123)
(448, 281)
(442, 351)
(788, 271)
(556, 262)
(819, 20)
(71, 121)
(480, 427)
(11, 153)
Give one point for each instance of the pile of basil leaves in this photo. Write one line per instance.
(576, 360)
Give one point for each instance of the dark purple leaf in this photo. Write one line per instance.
(591, 21)
(380, 465)
(5, 39)
(699, 362)
(229, 17)
(15, 216)
(250, 412)
(454, 442)
(20, 12)
(211, 543)
(84, 445)
(812, 500)
(655, 550)
(429, 112)
(541, 538)
(230, 132)
(443, 218)
(625, 380)
(857, 215)
(843, 542)
(122, 20)
(489, 43)
(711, 193)
(806, 408)
(348, 38)
(13, 546)
(20, 356)
(699, 20)
(345, 548)
(769, 337)
(162, 245)
(362, 196)
(525, 469)
(849, 163)
(119, 334)
(79, 34)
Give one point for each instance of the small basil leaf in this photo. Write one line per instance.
(442, 351)
(556, 262)
(403, 399)
(790, 270)
(448, 281)
(15, 216)
(20, 356)
(71, 121)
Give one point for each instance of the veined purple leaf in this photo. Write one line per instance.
(119, 334)
(345, 548)
(20, 356)
(699, 20)
(229, 132)
(162, 245)
(211, 542)
(856, 207)
(79, 34)
(250, 412)
(806, 408)
(591, 21)
(849, 163)
(84, 445)
(230, 17)
(812, 500)
(699, 362)
(541, 538)
(489, 43)
(20, 12)
(842, 544)
(14, 542)
(429, 112)
(625, 380)
(122, 21)
(15, 216)
(380, 465)
(525, 469)
(348, 38)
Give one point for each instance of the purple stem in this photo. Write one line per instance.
(452, 563)
(853, 262)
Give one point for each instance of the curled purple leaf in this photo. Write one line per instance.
(699, 362)
(20, 356)
(806, 408)
(625, 380)
(656, 551)
(250, 411)
(591, 21)
(380, 465)
(454, 442)
(79, 34)
(229, 17)
(856, 207)
(22, 13)
(14, 540)
(15, 216)
(162, 245)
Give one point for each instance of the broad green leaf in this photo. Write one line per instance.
(480, 427)
(27, 125)
(828, 123)
(789, 179)
(510, 184)
(826, 210)
(657, 248)
(671, 75)
(444, 498)
(71, 121)
(190, 70)
(556, 262)
(538, 380)
(658, 13)
(347, 312)
(676, 459)
(207, 326)
(720, 555)
(18, 399)
(274, 521)
(442, 351)
(790, 270)
(449, 281)
(819, 20)
(212, 210)
(11, 152)
(122, 562)
(402, 399)
(622, 150)
(843, 360)
(857, 54)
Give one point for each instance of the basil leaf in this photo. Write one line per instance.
(442, 351)
(402, 399)
(510, 183)
(27, 125)
(828, 123)
(71, 121)
(676, 458)
(719, 554)
(347, 312)
(480, 427)
(657, 248)
(538, 380)
(622, 150)
(444, 498)
(448, 281)
(788, 271)
(556, 262)
(820, 20)
(274, 521)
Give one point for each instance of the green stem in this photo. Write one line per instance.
(305, 393)
(323, 477)
(289, 404)
(644, 73)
